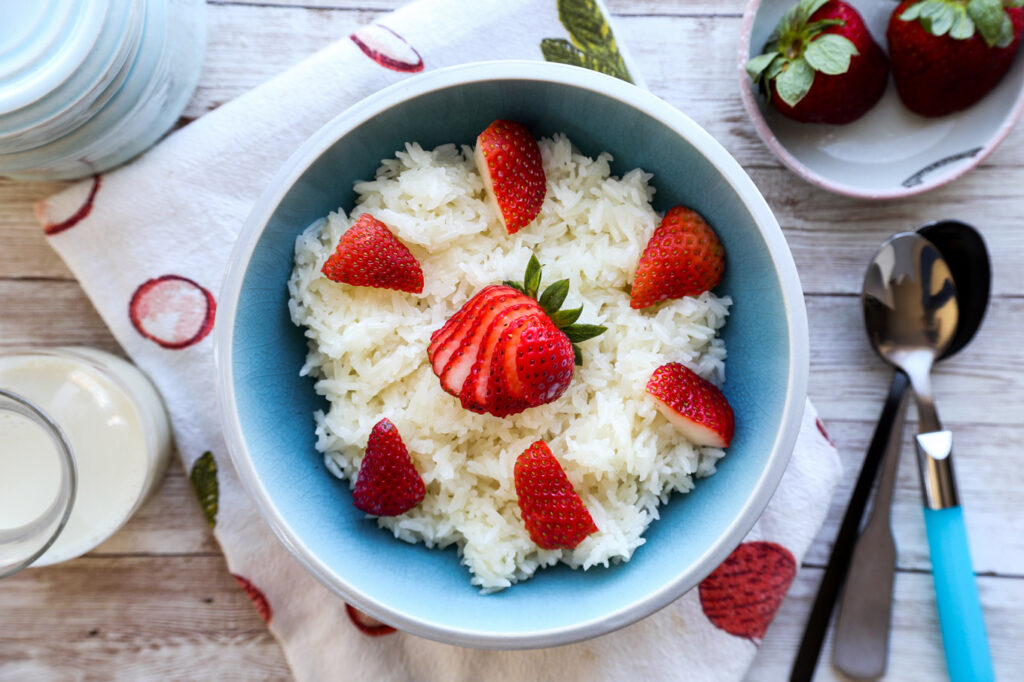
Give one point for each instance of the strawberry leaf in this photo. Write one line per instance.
(554, 296)
(793, 83)
(988, 16)
(807, 8)
(578, 333)
(830, 54)
(515, 285)
(963, 27)
(564, 318)
(577, 355)
(757, 65)
(531, 282)
(912, 12)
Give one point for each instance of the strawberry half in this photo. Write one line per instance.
(509, 162)
(368, 255)
(553, 513)
(693, 405)
(508, 349)
(947, 55)
(682, 258)
(388, 483)
(821, 64)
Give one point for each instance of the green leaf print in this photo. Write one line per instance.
(563, 52)
(204, 482)
(593, 43)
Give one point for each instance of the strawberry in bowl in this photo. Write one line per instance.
(821, 64)
(948, 54)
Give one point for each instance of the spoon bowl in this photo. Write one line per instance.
(910, 304)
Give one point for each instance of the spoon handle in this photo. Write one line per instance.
(842, 549)
(860, 646)
(956, 592)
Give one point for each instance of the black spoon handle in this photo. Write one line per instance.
(842, 550)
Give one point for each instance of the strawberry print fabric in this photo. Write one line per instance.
(170, 219)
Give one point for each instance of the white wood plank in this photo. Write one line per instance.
(615, 7)
(181, 618)
(916, 645)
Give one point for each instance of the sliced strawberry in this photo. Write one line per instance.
(692, 404)
(509, 162)
(553, 513)
(509, 348)
(457, 370)
(445, 340)
(544, 362)
(478, 387)
(682, 258)
(369, 255)
(388, 483)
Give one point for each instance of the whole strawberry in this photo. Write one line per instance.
(821, 64)
(948, 54)
(369, 255)
(682, 258)
(388, 483)
(553, 513)
(509, 161)
(508, 349)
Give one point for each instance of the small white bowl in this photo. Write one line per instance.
(890, 152)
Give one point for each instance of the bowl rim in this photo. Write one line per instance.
(766, 134)
(649, 104)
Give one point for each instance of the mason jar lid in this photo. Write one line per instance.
(42, 44)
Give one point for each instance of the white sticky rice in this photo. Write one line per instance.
(367, 351)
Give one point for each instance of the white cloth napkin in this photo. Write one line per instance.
(150, 241)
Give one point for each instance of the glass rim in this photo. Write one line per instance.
(27, 408)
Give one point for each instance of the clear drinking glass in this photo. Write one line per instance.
(35, 499)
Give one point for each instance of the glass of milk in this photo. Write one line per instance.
(84, 440)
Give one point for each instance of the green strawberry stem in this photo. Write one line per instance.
(961, 19)
(551, 301)
(799, 48)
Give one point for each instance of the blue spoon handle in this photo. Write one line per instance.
(960, 614)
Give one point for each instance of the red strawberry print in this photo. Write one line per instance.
(821, 429)
(78, 216)
(694, 405)
(509, 162)
(682, 258)
(387, 48)
(553, 513)
(821, 64)
(369, 255)
(742, 595)
(257, 597)
(388, 483)
(508, 348)
(173, 311)
(367, 624)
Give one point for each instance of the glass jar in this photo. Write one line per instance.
(86, 85)
(84, 441)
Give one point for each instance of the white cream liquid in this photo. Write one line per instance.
(104, 430)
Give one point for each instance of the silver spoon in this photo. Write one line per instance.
(861, 636)
(911, 312)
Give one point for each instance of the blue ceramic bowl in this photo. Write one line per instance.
(267, 406)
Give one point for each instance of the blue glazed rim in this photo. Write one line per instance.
(792, 307)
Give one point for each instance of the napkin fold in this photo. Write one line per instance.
(150, 242)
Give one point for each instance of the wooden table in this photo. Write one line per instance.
(156, 601)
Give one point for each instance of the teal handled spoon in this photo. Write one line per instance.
(911, 312)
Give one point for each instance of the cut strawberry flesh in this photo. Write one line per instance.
(440, 350)
(475, 391)
(692, 430)
(458, 367)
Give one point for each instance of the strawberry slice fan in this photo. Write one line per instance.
(150, 244)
